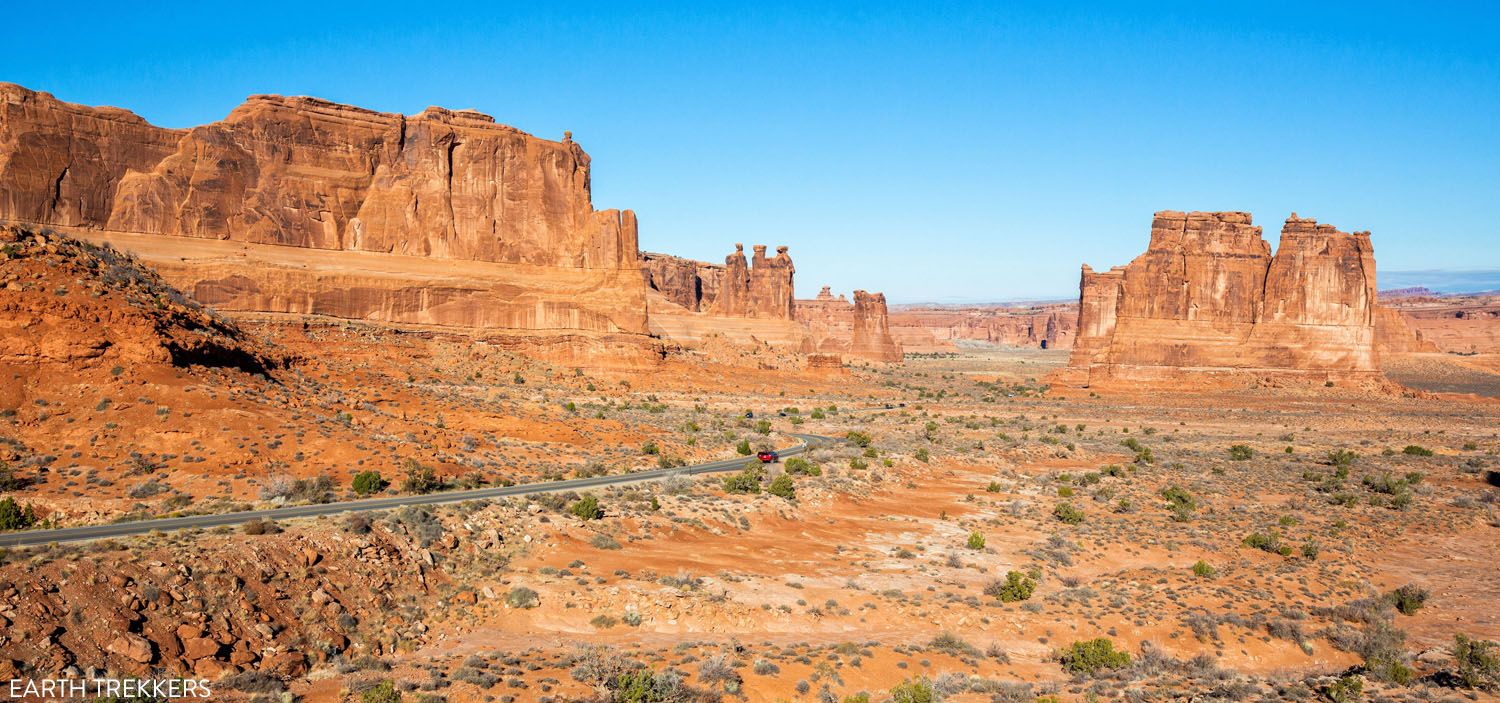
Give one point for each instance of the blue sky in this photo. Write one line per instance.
(936, 151)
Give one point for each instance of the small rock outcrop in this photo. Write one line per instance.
(1208, 301)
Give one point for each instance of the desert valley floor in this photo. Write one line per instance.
(1238, 545)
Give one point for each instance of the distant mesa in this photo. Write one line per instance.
(1208, 302)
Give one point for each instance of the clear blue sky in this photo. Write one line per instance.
(936, 151)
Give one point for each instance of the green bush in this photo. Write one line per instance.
(1092, 656)
(1016, 587)
(1267, 542)
(1477, 666)
(14, 516)
(587, 508)
(650, 448)
(420, 479)
(1342, 458)
(1240, 452)
(994, 487)
(747, 481)
(917, 690)
(798, 466)
(383, 692)
(1408, 599)
(1203, 569)
(1067, 513)
(743, 448)
(1415, 450)
(923, 455)
(1347, 689)
(369, 483)
(782, 487)
(860, 439)
(975, 541)
(763, 426)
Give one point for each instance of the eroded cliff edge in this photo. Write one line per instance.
(299, 205)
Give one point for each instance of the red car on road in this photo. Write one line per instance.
(768, 457)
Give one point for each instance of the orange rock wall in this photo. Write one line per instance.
(316, 176)
(860, 329)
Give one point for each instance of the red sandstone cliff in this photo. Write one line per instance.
(369, 199)
(1208, 299)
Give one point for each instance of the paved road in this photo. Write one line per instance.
(123, 529)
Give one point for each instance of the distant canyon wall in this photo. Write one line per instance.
(937, 329)
(305, 206)
(751, 300)
(1208, 300)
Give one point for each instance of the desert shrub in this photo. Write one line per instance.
(1180, 502)
(975, 541)
(763, 426)
(383, 692)
(1202, 569)
(1408, 599)
(994, 487)
(1416, 450)
(260, 527)
(603, 541)
(522, 597)
(368, 483)
(798, 466)
(1267, 542)
(1342, 458)
(1067, 513)
(587, 508)
(860, 439)
(645, 686)
(604, 622)
(918, 690)
(1240, 452)
(420, 479)
(1093, 656)
(14, 516)
(743, 448)
(782, 487)
(954, 645)
(1016, 587)
(1346, 689)
(1478, 666)
(747, 481)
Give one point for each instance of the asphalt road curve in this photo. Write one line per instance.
(124, 529)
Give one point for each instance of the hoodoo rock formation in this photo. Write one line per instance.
(305, 206)
(1208, 300)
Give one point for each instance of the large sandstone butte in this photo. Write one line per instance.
(299, 205)
(1208, 301)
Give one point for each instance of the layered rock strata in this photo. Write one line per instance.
(1208, 300)
(300, 205)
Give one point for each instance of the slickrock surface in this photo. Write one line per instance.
(1208, 300)
(264, 210)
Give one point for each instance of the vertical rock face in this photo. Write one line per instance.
(860, 329)
(313, 175)
(760, 287)
(1207, 299)
(937, 328)
(872, 329)
(690, 284)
